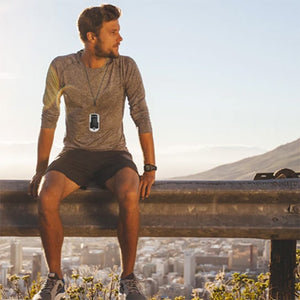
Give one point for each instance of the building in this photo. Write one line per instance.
(216, 260)
(178, 266)
(267, 251)
(243, 257)
(173, 290)
(148, 270)
(3, 273)
(151, 287)
(16, 257)
(189, 268)
(162, 266)
(111, 255)
(39, 265)
(92, 257)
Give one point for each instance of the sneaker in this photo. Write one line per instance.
(130, 288)
(52, 289)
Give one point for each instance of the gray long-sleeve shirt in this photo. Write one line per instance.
(118, 79)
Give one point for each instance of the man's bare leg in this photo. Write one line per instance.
(125, 186)
(56, 186)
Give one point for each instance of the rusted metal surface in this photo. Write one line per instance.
(267, 209)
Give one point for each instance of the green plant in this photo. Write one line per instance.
(195, 295)
(2, 292)
(87, 288)
(239, 287)
(14, 279)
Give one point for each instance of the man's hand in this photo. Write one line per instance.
(44, 147)
(146, 182)
(35, 183)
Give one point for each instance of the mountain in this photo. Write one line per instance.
(284, 156)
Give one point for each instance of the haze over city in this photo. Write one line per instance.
(221, 77)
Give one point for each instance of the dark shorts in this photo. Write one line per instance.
(84, 166)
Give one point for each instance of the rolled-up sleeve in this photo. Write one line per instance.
(51, 99)
(135, 93)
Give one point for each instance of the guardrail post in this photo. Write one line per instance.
(283, 255)
(282, 267)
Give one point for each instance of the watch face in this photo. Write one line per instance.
(148, 168)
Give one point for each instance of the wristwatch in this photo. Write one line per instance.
(149, 168)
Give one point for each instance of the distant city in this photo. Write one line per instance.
(168, 267)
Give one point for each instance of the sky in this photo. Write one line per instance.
(221, 77)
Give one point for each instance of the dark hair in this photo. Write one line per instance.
(91, 19)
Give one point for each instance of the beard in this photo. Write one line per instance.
(99, 52)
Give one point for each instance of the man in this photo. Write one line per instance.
(95, 83)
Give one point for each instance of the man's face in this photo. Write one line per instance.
(108, 40)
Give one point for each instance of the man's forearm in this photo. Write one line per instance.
(44, 148)
(147, 144)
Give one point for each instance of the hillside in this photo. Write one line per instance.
(284, 156)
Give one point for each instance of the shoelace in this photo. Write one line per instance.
(47, 286)
(132, 285)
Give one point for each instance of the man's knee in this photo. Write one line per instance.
(55, 187)
(128, 198)
(48, 200)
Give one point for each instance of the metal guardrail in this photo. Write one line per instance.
(267, 209)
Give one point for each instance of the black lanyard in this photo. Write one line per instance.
(100, 85)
